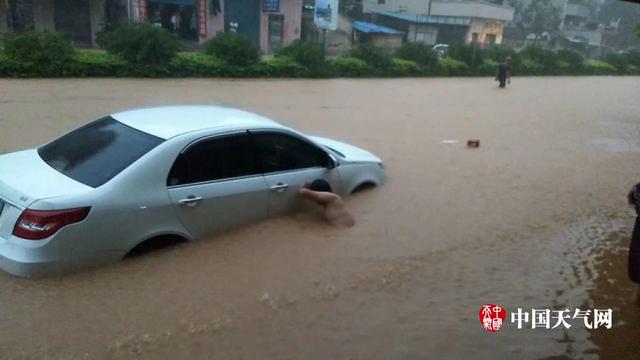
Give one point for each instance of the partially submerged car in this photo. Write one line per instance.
(134, 178)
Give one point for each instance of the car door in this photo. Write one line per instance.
(215, 185)
(288, 161)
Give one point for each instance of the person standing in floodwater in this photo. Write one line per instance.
(634, 248)
(504, 72)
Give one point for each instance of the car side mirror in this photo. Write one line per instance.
(332, 162)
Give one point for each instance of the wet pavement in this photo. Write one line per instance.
(534, 218)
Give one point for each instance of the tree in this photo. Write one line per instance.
(518, 6)
(625, 16)
(540, 16)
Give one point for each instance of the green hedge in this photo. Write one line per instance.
(599, 67)
(348, 66)
(453, 67)
(141, 44)
(47, 54)
(233, 49)
(402, 67)
(93, 63)
(41, 53)
(196, 64)
(282, 67)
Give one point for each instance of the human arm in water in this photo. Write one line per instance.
(335, 212)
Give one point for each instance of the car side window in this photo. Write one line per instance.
(282, 152)
(215, 159)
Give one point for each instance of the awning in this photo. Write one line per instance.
(174, 2)
(367, 27)
(423, 19)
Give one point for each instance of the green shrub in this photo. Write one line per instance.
(195, 64)
(141, 44)
(94, 63)
(419, 53)
(377, 58)
(528, 66)
(306, 53)
(564, 68)
(453, 67)
(570, 57)
(4, 65)
(233, 49)
(280, 66)
(488, 67)
(497, 53)
(599, 67)
(348, 66)
(545, 60)
(630, 69)
(468, 54)
(402, 67)
(37, 53)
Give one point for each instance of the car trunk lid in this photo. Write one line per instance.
(24, 179)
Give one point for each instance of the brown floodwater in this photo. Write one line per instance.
(533, 218)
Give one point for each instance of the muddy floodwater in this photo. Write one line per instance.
(535, 217)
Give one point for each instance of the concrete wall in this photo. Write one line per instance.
(472, 9)
(4, 25)
(484, 27)
(292, 11)
(390, 42)
(43, 15)
(426, 34)
(408, 6)
(97, 13)
(215, 23)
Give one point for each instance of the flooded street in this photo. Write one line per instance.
(534, 218)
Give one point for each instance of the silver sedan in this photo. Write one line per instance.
(138, 178)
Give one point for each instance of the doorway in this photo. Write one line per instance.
(245, 14)
(73, 18)
(276, 32)
(177, 16)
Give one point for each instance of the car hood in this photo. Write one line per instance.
(351, 153)
(25, 178)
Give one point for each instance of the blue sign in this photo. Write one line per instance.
(271, 5)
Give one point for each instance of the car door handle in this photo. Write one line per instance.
(190, 201)
(279, 187)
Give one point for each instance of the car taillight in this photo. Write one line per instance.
(39, 224)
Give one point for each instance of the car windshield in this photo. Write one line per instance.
(97, 152)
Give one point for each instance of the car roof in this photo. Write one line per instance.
(170, 121)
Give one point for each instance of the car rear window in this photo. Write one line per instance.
(97, 152)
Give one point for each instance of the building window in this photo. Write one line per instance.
(491, 39)
(474, 37)
(381, 2)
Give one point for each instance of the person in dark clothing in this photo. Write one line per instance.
(634, 248)
(504, 72)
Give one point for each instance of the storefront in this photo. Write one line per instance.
(269, 24)
(80, 20)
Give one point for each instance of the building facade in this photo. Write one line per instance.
(269, 24)
(579, 27)
(443, 21)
